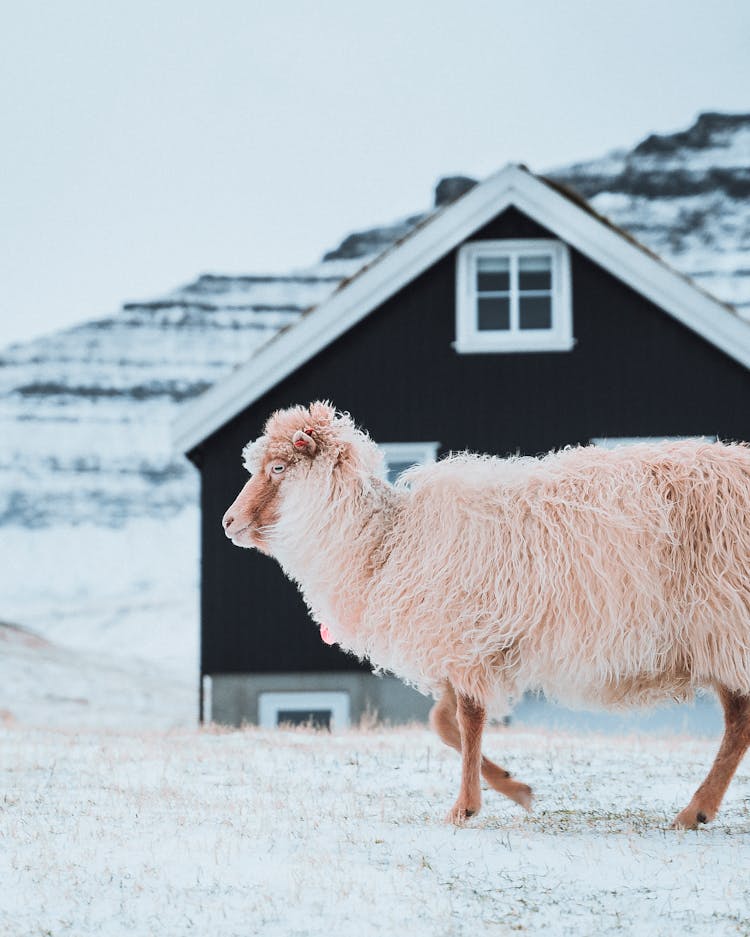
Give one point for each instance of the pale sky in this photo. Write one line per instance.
(144, 143)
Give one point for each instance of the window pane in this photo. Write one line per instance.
(534, 273)
(315, 718)
(535, 312)
(493, 274)
(493, 313)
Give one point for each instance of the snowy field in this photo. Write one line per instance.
(299, 833)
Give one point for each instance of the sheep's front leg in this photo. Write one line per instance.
(471, 717)
(443, 721)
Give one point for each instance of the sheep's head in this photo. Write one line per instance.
(315, 444)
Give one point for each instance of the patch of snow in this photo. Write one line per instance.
(120, 593)
(44, 684)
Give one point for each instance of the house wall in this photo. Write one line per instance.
(235, 697)
(634, 371)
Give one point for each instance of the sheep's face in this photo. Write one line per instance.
(302, 453)
(252, 516)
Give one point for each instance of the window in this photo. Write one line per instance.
(513, 296)
(320, 709)
(612, 442)
(399, 456)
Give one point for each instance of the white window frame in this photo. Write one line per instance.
(418, 452)
(613, 442)
(272, 703)
(469, 338)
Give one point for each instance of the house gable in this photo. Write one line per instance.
(433, 240)
(399, 375)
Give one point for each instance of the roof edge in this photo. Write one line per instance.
(575, 223)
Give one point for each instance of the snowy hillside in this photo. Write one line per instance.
(45, 684)
(98, 516)
(85, 413)
(685, 195)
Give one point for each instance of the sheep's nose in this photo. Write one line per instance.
(227, 521)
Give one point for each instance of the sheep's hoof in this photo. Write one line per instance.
(460, 813)
(500, 780)
(521, 794)
(691, 819)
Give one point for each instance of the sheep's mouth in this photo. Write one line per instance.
(234, 535)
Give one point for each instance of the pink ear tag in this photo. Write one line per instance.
(326, 635)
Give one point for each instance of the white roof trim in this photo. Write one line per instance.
(401, 263)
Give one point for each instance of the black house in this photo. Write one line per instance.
(514, 319)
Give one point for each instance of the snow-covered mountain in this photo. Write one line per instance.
(98, 516)
(684, 195)
(85, 413)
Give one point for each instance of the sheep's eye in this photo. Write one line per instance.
(278, 468)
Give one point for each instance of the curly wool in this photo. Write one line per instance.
(612, 577)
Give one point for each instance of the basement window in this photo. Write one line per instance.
(513, 296)
(322, 709)
(400, 456)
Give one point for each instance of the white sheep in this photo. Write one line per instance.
(612, 578)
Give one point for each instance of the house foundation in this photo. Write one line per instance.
(331, 699)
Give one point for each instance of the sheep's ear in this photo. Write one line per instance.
(303, 441)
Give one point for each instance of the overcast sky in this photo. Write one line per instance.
(146, 142)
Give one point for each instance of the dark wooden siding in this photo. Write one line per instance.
(634, 371)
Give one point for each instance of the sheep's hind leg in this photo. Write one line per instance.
(706, 801)
(443, 720)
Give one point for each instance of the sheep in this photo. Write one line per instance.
(601, 577)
